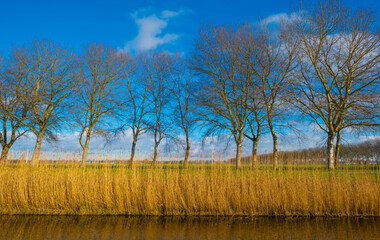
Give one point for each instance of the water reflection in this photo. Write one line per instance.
(117, 227)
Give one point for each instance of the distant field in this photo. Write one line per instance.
(203, 189)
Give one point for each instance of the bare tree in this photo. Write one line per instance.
(338, 81)
(222, 97)
(179, 83)
(97, 99)
(136, 103)
(156, 67)
(49, 81)
(247, 65)
(14, 110)
(255, 124)
(274, 54)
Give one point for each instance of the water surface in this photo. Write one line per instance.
(120, 227)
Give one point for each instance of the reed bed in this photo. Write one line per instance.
(202, 190)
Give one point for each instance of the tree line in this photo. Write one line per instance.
(366, 152)
(247, 79)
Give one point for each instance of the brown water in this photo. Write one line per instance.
(90, 227)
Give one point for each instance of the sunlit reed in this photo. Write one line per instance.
(218, 189)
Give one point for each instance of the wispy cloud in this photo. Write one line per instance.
(168, 14)
(281, 17)
(150, 31)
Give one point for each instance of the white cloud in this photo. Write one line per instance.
(150, 34)
(367, 138)
(68, 144)
(281, 17)
(219, 147)
(169, 14)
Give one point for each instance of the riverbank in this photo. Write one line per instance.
(201, 190)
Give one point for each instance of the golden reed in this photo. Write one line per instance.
(203, 189)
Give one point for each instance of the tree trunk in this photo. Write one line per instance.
(187, 153)
(254, 163)
(337, 149)
(85, 151)
(4, 154)
(37, 148)
(154, 157)
(275, 153)
(330, 151)
(239, 145)
(133, 151)
(275, 144)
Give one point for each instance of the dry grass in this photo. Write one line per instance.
(218, 190)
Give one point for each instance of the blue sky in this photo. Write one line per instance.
(138, 25)
(171, 23)
(75, 23)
